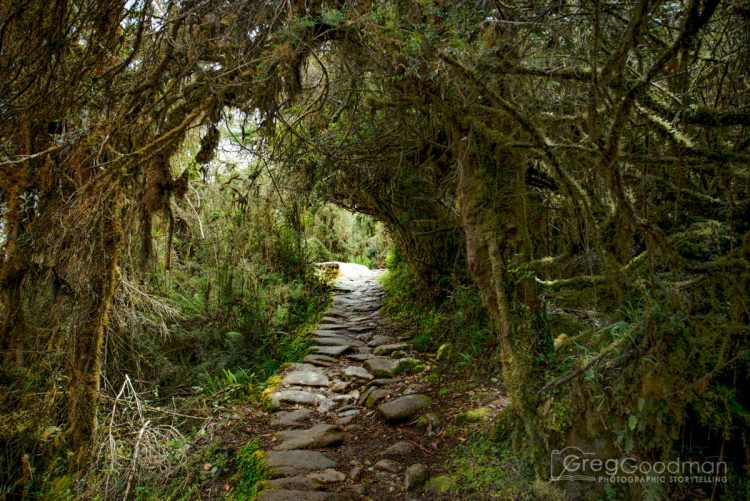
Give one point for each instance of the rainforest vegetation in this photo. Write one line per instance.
(560, 191)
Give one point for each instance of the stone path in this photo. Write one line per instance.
(340, 414)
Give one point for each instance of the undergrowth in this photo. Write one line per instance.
(250, 470)
(487, 464)
(486, 468)
(185, 348)
(456, 326)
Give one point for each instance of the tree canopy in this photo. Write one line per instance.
(583, 164)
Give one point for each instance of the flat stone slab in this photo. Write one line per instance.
(388, 465)
(358, 372)
(379, 340)
(399, 450)
(306, 378)
(320, 360)
(385, 349)
(350, 412)
(385, 381)
(339, 313)
(361, 328)
(338, 319)
(374, 397)
(347, 286)
(293, 366)
(295, 397)
(330, 333)
(290, 418)
(336, 341)
(404, 407)
(298, 495)
(330, 327)
(340, 300)
(381, 366)
(366, 307)
(297, 482)
(320, 435)
(365, 318)
(340, 386)
(361, 356)
(327, 476)
(298, 460)
(331, 351)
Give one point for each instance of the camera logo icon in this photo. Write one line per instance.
(570, 463)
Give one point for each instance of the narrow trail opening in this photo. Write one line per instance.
(343, 419)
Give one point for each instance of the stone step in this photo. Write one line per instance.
(327, 476)
(279, 398)
(306, 378)
(290, 418)
(357, 371)
(331, 351)
(404, 407)
(341, 300)
(297, 483)
(298, 495)
(331, 327)
(358, 329)
(319, 436)
(339, 313)
(360, 356)
(333, 320)
(379, 340)
(293, 366)
(381, 366)
(386, 349)
(320, 360)
(298, 460)
(336, 341)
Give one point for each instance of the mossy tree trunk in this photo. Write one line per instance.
(492, 216)
(86, 335)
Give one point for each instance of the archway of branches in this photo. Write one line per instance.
(583, 164)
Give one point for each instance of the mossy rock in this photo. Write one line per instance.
(442, 484)
(375, 397)
(473, 416)
(273, 383)
(410, 366)
(429, 422)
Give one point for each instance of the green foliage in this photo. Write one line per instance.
(458, 327)
(61, 488)
(338, 235)
(238, 302)
(485, 468)
(332, 17)
(250, 470)
(472, 416)
(579, 155)
(656, 375)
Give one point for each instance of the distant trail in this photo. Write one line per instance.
(331, 412)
